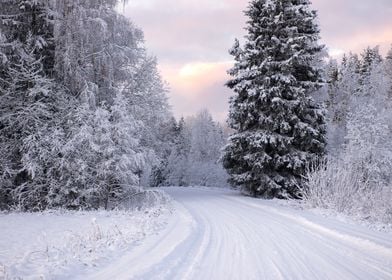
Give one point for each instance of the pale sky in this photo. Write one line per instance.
(191, 39)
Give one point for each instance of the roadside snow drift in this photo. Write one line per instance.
(63, 245)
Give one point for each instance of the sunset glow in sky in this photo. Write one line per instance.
(191, 39)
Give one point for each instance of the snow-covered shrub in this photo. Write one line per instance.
(338, 185)
(333, 184)
(141, 199)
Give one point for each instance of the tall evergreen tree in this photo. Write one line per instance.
(342, 92)
(80, 104)
(279, 128)
(206, 140)
(370, 57)
(388, 65)
(30, 104)
(177, 162)
(167, 134)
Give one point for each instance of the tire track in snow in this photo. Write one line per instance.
(364, 249)
(217, 235)
(284, 246)
(142, 258)
(186, 255)
(363, 244)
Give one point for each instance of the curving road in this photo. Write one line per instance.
(217, 234)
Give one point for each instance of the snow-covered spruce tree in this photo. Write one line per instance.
(369, 58)
(31, 106)
(368, 148)
(195, 149)
(334, 102)
(103, 159)
(388, 68)
(175, 172)
(206, 141)
(279, 128)
(343, 89)
(101, 60)
(90, 91)
(149, 105)
(167, 137)
(28, 19)
(357, 179)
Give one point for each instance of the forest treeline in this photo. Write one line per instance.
(83, 107)
(80, 98)
(356, 175)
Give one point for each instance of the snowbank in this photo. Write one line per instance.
(62, 244)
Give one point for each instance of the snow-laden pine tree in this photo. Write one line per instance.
(81, 101)
(356, 179)
(193, 157)
(343, 88)
(37, 105)
(279, 128)
(31, 106)
(369, 57)
(334, 102)
(103, 159)
(388, 66)
(368, 149)
(175, 171)
(168, 134)
(110, 57)
(206, 141)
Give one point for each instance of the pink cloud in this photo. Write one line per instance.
(198, 85)
(191, 39)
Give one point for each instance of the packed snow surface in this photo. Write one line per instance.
(218, 234)
(212, 234)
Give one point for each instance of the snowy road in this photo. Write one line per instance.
(216, 234)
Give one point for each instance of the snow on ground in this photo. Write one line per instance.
(62, 244)
(331, 214)
(211, 234)
(218, 234)
(350, 219)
